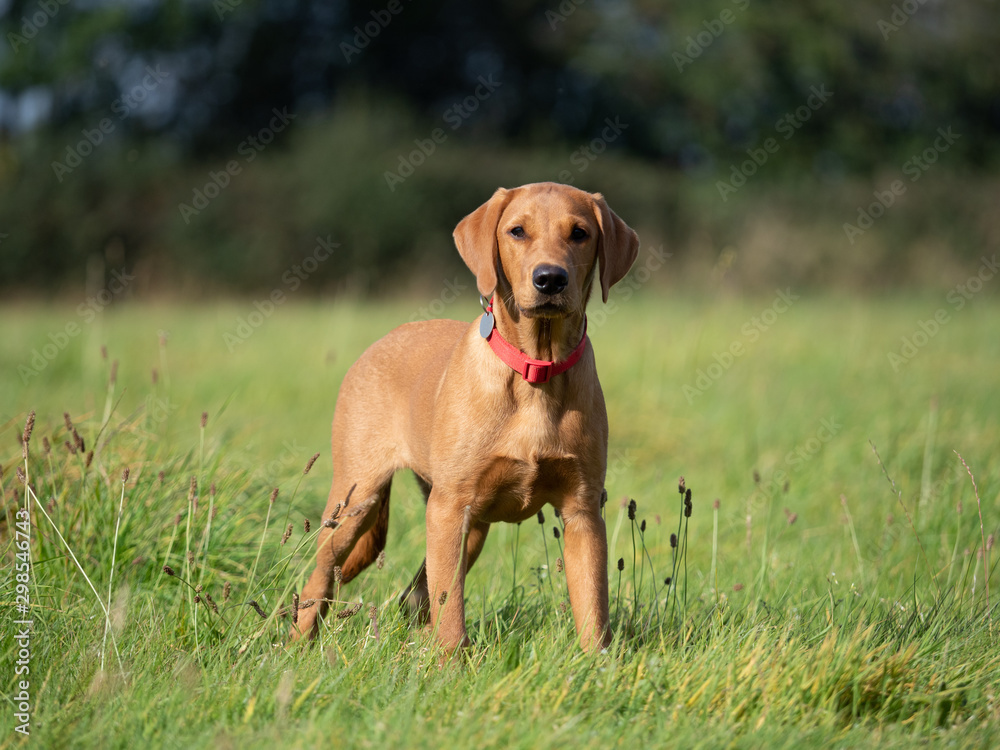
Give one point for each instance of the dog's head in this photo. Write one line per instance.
(541, 245)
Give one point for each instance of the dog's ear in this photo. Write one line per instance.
(476, 240)
(617, 247)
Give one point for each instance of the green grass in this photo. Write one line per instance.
(830, 621)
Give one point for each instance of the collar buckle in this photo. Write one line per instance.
(537, 370)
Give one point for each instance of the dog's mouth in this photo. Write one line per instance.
(545, 310)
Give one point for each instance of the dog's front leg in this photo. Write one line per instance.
(587, 575)
(447, 563)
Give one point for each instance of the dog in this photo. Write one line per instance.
(496, 419)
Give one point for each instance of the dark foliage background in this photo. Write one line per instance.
(182, 86)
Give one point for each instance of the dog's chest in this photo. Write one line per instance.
(533, 462)
(512, 489)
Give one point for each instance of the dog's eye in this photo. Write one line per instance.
(517, 232)
(578, 233)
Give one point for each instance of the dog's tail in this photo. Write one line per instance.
(368, 546)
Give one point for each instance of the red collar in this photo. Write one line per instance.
(532, 370)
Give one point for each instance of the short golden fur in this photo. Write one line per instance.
(486, 445)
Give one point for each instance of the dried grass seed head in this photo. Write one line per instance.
(349, 611)
(310, 463)
(29, 426)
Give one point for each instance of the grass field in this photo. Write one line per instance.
(813, 608)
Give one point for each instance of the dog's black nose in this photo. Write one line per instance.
(549, 279)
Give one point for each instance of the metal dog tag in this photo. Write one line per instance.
(486, 325)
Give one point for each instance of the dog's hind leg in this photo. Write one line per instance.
(415, 599)
(353, 533)
(370, 543)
